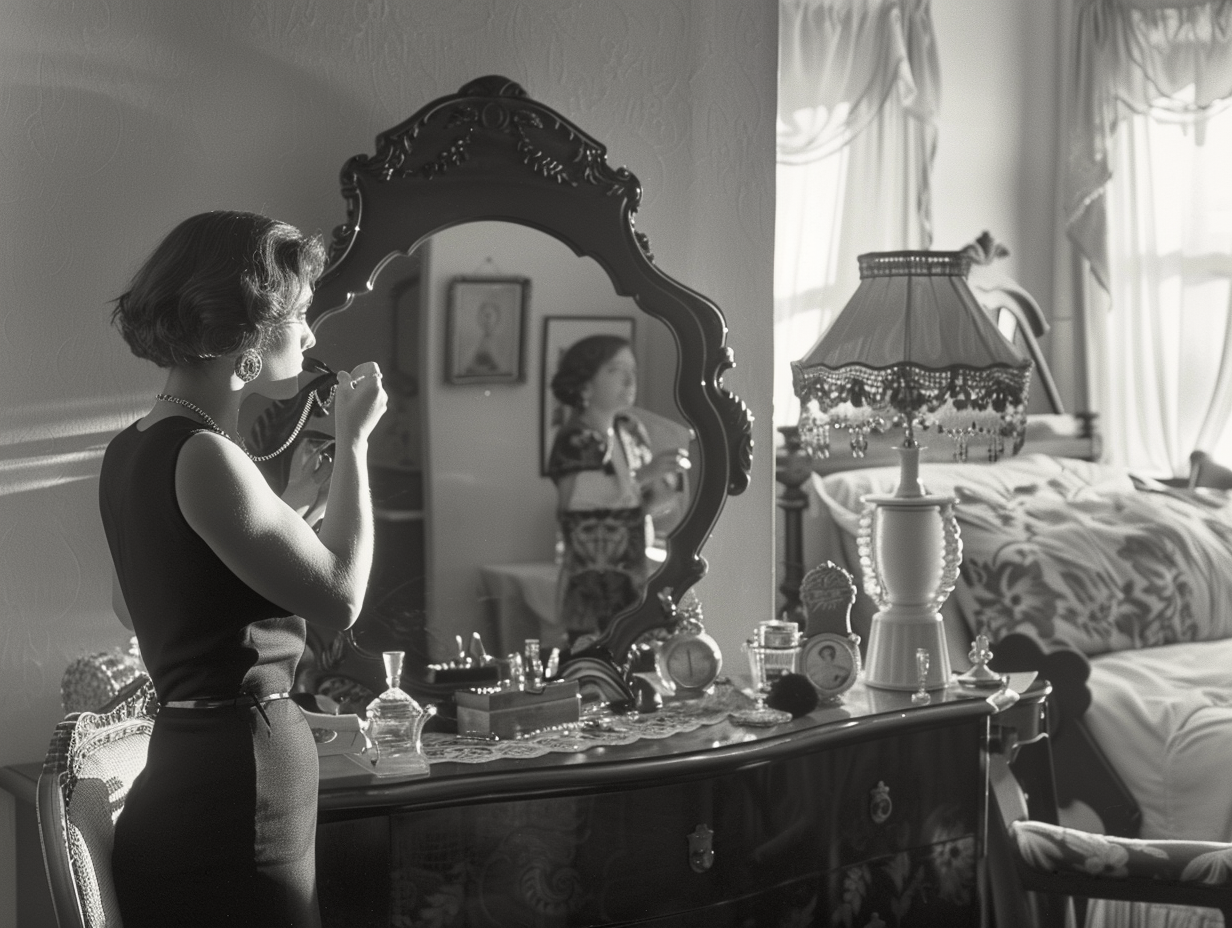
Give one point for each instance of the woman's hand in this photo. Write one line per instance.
(665, 466)
(359, 402)
(312, 463)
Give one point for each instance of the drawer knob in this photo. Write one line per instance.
(879, 804)
(701, 853)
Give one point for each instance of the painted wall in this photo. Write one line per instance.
(121, 118)
(996, 158)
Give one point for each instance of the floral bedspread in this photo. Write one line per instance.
(1097, 568)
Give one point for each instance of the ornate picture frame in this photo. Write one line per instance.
(560, 332)
(831, 662)
(485, 340)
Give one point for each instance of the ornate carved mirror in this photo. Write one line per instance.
(483, 237)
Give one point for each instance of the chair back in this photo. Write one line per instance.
(91, 763)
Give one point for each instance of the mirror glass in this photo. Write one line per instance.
(469, 330)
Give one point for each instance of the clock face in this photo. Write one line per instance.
(692, 661)
(831, 662)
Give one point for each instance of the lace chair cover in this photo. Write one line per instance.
(92, 762)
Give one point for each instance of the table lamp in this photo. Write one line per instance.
(912, 349)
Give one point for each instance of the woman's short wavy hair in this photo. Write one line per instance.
(219, 283)
(580, 363)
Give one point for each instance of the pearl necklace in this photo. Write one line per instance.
(257, 458)
(206, 417)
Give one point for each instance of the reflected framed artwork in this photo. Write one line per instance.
(486, 330)
(560, 333)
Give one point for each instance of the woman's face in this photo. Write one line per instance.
(283, 359)
(614, 386)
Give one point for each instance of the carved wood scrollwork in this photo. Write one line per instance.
(491, 153)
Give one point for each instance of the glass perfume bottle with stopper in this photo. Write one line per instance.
(395, 726)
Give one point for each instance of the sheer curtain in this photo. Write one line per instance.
(858, 97)
(1149, 206)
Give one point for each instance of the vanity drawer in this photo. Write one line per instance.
(608, 858)
(814, 830)
(894, 794)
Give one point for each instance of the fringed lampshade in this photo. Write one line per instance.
(912, 349)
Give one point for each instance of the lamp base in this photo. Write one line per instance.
(890, 663)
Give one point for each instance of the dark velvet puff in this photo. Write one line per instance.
(794, 693)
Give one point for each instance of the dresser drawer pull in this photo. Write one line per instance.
(701, 854)
(879, 804)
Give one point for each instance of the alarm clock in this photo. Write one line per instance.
(691, 659)
(831, 662)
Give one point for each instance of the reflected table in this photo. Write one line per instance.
(522, 600)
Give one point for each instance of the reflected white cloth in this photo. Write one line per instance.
(523, 600)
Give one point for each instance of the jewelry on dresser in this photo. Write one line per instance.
(248, 365)
(920, 696)
(981, 676)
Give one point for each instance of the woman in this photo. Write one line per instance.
(217, 575)
(607, 481)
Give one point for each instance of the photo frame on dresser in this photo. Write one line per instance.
(559, 334)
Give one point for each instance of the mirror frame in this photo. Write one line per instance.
(490, 152)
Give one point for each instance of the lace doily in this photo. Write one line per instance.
(598, 731)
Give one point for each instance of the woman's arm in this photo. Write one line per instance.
(226, 500)
(660, 478)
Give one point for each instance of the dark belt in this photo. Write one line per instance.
(244, 699)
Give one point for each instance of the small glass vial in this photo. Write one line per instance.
(395, 725)
(533, 664)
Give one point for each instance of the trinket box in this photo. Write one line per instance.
(512, 713)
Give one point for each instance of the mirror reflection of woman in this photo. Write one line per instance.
(216, 575)
(608, 484)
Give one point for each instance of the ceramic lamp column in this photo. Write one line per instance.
(910, 550)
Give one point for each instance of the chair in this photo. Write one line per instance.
(91, 763)
(1051, 859)
(1204, 472)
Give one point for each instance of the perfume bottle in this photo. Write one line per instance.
(395, 726)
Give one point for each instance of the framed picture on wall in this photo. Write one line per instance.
(485, 330)
(559, 334)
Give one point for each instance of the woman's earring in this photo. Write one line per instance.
(248, 365)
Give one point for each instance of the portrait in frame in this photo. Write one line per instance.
(486, 330)
(559, 333)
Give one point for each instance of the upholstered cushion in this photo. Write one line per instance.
(105, 764)
(1064, 850)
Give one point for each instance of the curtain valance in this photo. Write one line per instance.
(841, 60)
(1172, 57)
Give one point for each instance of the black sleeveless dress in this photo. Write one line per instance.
(219, 829)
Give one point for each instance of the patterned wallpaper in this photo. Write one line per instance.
(118, 118)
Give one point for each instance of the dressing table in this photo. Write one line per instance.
(874, 805)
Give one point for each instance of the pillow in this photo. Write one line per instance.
(1070, 553)
(1099, 569)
